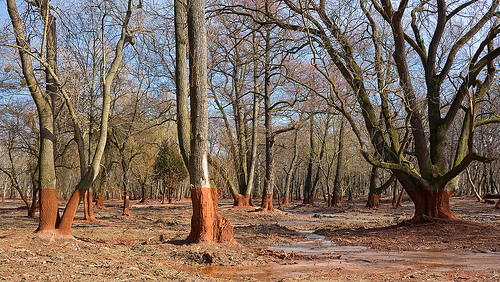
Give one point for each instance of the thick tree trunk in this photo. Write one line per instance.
(241, 200)
(337, 201)
(431, 203)
(267, 202)
(205, 227)
(48, 210)
(286, 200)
(373, 201)
(373, 194)
(144, 200)
(100, 202)
(64, 227)
(308, 200)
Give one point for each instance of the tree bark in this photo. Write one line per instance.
(181, 86)
(431, 203)
(126, 204)
(267, 195)
(308, 186)
(241, 200)
(90, 204)
(47, 178)
(100, 202)
(289, 173)
(373, 201)
(337, 186)
(207, 225)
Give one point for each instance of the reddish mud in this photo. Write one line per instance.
(300, 243)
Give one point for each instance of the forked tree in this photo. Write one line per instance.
(452, 83)
(49, 214)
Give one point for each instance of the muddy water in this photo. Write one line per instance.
(357, 258)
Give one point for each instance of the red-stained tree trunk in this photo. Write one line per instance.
(49, 215)
(47, 178)
(126, 204)
(88, 207)
(207, 225)
(100, 202)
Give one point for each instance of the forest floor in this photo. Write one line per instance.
(311, 243)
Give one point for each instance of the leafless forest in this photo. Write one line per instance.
(208, 122)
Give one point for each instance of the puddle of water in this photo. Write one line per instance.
(360, 259)
(316, 248)
(292, 223)
(490, 214)
(356, 258)
(309, 235)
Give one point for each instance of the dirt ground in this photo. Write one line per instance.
(312, 243)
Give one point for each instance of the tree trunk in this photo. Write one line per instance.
(337, 185)
(267, 202)
(34, 205)
(126, 204)
(47, 177)
(373, 201)
(207, 225)
(373, 194)
(267, 195)
(255, 120)
(241, 200)
(181, 82)
(48, 210)
(85, 207)
(144, 199)
(400, 198)
(90, 214)
(337, 200)
(286, 200)
(64, 226)
(100, 202)
(431, 203)
(308, 187)
(397, 197)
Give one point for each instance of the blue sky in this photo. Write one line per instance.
(3, 11)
